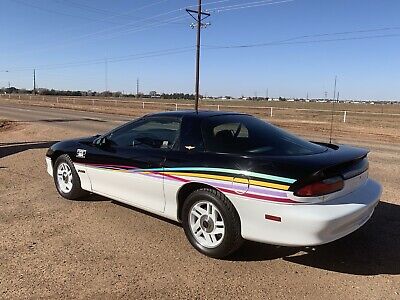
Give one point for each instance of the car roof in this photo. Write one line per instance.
(201, 114)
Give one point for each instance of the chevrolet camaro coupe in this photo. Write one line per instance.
(225, 176)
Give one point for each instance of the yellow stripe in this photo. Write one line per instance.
(217, 177)
(270, 185)
(226, 178)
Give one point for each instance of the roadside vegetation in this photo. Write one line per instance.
(4, 124)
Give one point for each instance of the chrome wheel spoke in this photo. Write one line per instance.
(200, 211)
(198, 233)
(213, 238)
(196, 214)
(212, 212)
(219, 224)
(209, 208)
(219, 231)
(196, 227)
(208, 239)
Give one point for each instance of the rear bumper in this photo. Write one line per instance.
(308, 224)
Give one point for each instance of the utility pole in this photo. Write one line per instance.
(333, 110)
(199, 18)
(266, 94)
(137, 88)
(9, 84)
(34, 81)
(334, 89)
(106, 73)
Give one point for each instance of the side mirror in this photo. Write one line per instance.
(101, 141)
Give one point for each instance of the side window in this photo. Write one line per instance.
(233, 127)
(243, 134)
(228, 137)
(151, 133)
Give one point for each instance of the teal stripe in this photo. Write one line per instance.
(229, 171)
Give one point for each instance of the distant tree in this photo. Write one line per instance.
(11, 90)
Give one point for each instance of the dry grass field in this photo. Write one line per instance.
(368, 121)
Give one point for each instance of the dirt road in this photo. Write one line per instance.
(54, 248)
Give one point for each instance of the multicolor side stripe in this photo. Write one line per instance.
(257, 186)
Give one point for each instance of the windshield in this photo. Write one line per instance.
(244, 134)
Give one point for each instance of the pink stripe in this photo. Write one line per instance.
(114, 166)
(260, 197)
(176, 178)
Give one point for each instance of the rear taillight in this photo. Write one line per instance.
(320, 188)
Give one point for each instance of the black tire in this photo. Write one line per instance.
(76, 191)
(232, 239)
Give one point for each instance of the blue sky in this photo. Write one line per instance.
(68, 42)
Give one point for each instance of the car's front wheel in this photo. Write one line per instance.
(66, 178)
(211, 223)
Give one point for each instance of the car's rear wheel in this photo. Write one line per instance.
(66, 178)
(211, 223)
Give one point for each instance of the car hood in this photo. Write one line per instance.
(72, 144)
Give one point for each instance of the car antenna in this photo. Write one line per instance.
(333, 109)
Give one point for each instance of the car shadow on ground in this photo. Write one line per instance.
(147, 213)
(7, 149)
(62, 120)
(373, 249)
(71, 120)
(93, 198)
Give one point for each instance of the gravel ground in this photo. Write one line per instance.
(54, 248)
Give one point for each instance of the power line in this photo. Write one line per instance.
(114, 14)
(153, 24)
(248, 5)
(166, 51)
(87, 7)
(173, 19)
(129, 57)
(56, 12)
(291, 41)
(119, 26)
(113, 35)
(141, 28)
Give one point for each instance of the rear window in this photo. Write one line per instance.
(243, 134)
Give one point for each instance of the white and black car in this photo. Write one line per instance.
(225, 176)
